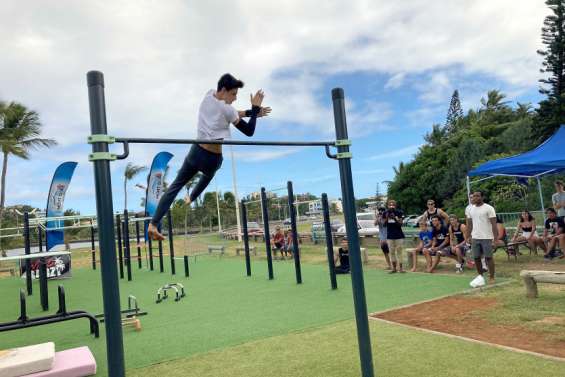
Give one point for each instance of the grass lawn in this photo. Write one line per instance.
(233, 325)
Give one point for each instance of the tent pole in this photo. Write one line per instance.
(541, 198)
(468, 189)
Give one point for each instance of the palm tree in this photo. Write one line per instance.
(130, 172)
(20, 129)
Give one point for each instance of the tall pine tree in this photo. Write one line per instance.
(551, 112)
(454, 113)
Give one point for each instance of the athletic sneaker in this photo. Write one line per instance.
(477, 282)
(458, 268)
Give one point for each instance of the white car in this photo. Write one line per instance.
(365, 225)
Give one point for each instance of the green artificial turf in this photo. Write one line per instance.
(331, 351)
(223, 308)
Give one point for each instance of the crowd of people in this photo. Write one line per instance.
(470, 243)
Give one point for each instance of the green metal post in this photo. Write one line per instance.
(106, 235)
(348, 197)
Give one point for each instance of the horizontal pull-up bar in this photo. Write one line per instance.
(136, 140)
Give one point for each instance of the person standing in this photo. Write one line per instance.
(380, 221)
(483, 232)
(558, 199)
(394, 235)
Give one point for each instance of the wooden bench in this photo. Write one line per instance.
(531, 278)
(511, 248)
(220, 248)
(242, 249)
(11, 270)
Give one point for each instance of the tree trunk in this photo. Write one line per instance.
(3, 183)
(3, 196)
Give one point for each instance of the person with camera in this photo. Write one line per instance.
(394, 235)
(380, 221)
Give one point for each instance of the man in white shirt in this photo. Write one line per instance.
(482, 230)
(215, 116)
(558, 199)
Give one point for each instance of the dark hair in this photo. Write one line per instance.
(530, 217)
(560, 183)
(551, 209)
(228, 82)
(479, 192)
(435, 217)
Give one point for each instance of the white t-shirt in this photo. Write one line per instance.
(214, 118)
(481, 215)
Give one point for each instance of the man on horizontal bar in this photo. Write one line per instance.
(214, 118)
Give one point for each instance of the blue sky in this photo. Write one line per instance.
(397, 64)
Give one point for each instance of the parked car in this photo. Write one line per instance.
(254, 228)
(336, 224)
(408, 218)
(414, 222)
(365, 225)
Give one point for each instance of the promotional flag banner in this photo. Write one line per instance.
(155, 182)
(59, 266)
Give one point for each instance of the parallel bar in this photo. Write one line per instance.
(329, 240)
(43, 288)
(171, 245)
(267, 233)
(27, 247)
(186, 270)
(348, 197)
(92, 247)
(150, 247)
(295, 248)
(138, 244)
(134, 140)
(120, 249)
(161, 267)
(127, 245)
(104, 210)
(243, 211)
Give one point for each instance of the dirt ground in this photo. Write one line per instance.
(464, 316)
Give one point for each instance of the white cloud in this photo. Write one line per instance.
(402, 152)
(159, 59)
(396, 81)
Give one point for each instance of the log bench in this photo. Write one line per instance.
(220, 248)
(242, 249)
(531, 278)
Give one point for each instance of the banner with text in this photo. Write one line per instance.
(55, 205)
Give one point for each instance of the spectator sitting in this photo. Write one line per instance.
(425, 241)
(342, 256)
(288, 243)
(526, 231)
(502, 239)
(554, 234)
(459, 243)
(432, 211)
(278, 241)
(440, 244)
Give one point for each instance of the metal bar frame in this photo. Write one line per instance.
(103, 185)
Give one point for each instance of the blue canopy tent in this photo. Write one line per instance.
(546, 158)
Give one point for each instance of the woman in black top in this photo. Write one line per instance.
(526, 231)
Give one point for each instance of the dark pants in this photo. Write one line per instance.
(197, 160)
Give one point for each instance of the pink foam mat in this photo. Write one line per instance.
(75, 362)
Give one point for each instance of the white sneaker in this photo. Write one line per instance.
(477, 282)
(458, 268)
